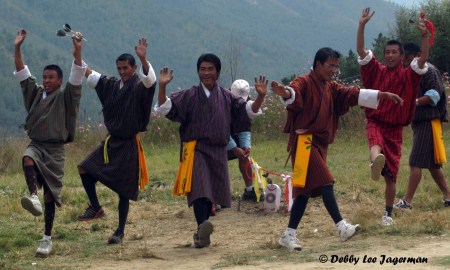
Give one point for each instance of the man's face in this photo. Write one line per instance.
(408, 59)
(125, 70)
(328, 70)
(208, 74)
(392, 56)
(50, 80)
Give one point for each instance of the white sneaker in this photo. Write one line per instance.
(347, 230)
(377, 166)
(32, 205)
(289, 240)
(387, 220)
(45, 247)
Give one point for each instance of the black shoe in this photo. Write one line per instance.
(91, 213)
(251, 195)
(116, 237)
(202, 238)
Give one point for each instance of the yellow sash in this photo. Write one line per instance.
(143, 172)
(438, 142)
(301, 160)
(183, 182)
(261, 181)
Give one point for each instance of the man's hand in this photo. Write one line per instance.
(165, 76)
(77, 40)
(390, 96)
(141, 48)
(279, 90)
(261, 85)
(422, 28)
(21, 35)
(239, 153)
(365, 16)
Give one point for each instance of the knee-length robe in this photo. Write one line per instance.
(126, 112)
(50, 123)
(316, 109)
(208, 120)
(385, 125)
(422, 152)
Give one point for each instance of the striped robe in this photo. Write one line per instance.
(422, 152)
(208, 120)
(317, 108)
(126, 112)
(385, 125)
(50, 123)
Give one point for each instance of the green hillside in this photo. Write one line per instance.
(273, 37)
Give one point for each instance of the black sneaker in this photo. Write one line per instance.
(116, 237)
(202, 238)
(251, 195)
(446, 202)
(91, 213)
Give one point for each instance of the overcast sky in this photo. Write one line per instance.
(406, 3)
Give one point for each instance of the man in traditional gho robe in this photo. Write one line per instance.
(50, 123)
(385, 126)
(119, 162)
(314, 104)
(205, 112)
(428, 151)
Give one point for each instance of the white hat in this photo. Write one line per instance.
(241, 88)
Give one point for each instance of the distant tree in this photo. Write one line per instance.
(349, 68)
(378, 46)
(286, 80)
(232, 58)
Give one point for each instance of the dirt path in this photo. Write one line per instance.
(161, 238)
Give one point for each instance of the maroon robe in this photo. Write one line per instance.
(317, 107)
(208, 120)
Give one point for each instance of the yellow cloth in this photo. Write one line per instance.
(105, 149)
(301, 160)
(261, 181)
(183, 182)
(143, 171)
(438, 142)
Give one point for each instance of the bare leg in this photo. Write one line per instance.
(439, 178)
(415, 175)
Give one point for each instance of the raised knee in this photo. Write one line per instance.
(27, 161)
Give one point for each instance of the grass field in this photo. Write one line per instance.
(78, 245)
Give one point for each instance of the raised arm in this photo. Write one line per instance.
(21, 35)
(365, 17)
(141, 52)
(165, 77)
(261, 89)
(425, 47)
(77, 40)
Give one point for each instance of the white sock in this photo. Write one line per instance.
(250, 188)
(46, 237)
(342, 222)
(291, 231)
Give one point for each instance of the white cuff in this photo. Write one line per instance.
(231, 144)
(93, 78)
(290, 100)
(149, 79)
(77, 73)
(23, 74)
(415, 67)
(250, 112)
(368, 98)
(164, 108)
(366, 59)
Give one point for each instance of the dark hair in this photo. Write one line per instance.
(411, 48)
(323, 54)
(55, 68)
(394, 42)
(126, 57)
(209, 57)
